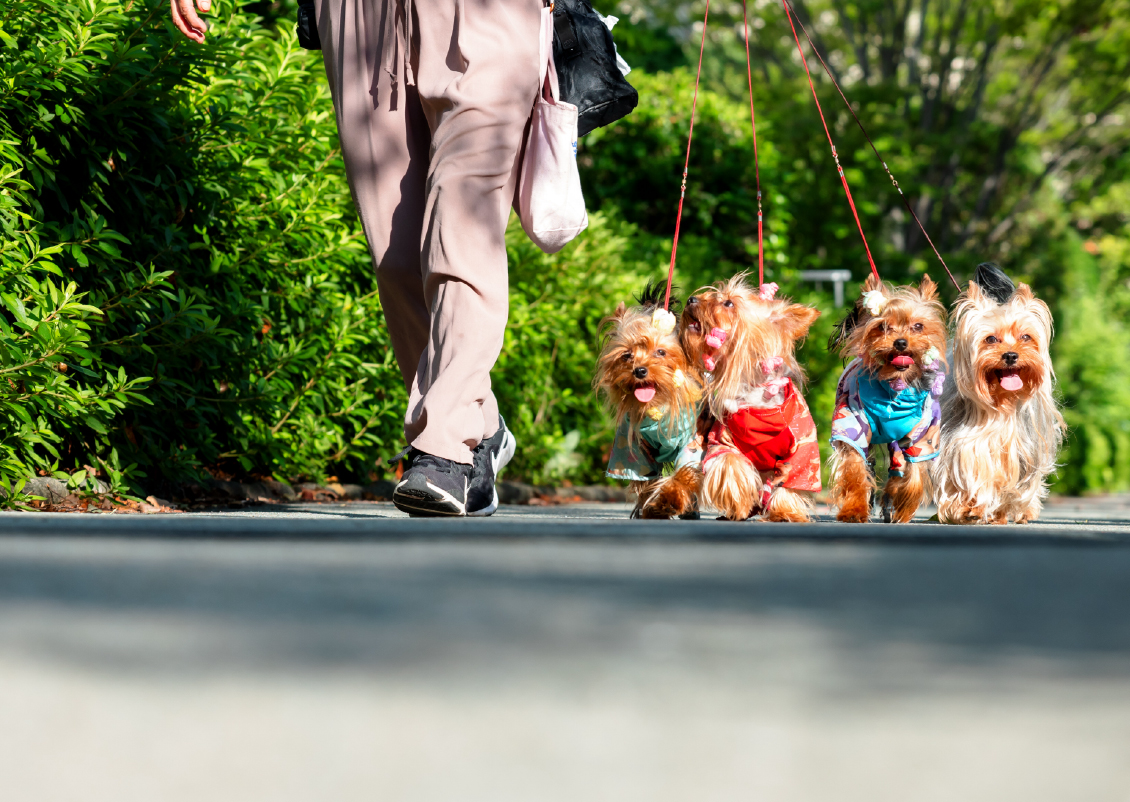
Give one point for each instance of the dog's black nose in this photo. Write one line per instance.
(1010, 357)
(640, 372)
(900, 344)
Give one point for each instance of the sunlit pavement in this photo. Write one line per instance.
(342, 652)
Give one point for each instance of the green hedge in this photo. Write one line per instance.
(192, 199)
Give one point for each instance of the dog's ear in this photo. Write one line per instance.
(621, 310)
(872, 283)
(1024, 294)
(974, 293)
(928, 289)
(796, 319)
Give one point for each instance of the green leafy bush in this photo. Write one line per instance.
(179, 234)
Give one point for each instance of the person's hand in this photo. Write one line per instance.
(188, 21)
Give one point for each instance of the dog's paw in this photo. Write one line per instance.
(853, 516)
(674, 496)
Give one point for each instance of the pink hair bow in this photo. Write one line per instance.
(767, 292)
(716, 337)
(774, 386)
(771, 364)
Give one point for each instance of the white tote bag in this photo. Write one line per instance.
(551, 206)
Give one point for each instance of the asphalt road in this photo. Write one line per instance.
(339, 652)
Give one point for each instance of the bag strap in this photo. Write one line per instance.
(550, 89)
(551, 82)
(566, 34)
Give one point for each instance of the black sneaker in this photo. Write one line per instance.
(491, 456)
(433, 486)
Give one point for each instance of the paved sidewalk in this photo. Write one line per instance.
(1100, 519)
(341, 652)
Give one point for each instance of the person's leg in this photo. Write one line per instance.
(385, 143)
(477, 74)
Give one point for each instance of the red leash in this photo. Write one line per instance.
(839, 167)
(756, 169)
(789, 12)
(832, 78)
(687, 163)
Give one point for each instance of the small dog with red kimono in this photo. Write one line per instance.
(761, 456)
(889, 394)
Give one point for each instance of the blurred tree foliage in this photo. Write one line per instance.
(1003, 122)
(186, 286)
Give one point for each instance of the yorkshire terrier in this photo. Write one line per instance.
(1001, 428)
(888, 394)
(761, 455)
(654, 395)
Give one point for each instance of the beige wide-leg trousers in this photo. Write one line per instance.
(432, 99)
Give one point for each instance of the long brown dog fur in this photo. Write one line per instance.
(998, 445)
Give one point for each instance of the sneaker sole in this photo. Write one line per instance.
(415, 502)
(505, 454)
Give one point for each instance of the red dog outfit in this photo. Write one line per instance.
(779, 441)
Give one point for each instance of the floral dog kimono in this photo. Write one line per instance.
(779, 440)
(870, 411)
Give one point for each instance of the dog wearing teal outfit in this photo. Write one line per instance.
(889, 394)
(908, 420)
(663, 445)
(654, 395)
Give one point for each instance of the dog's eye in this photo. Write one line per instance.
(991, 340)
(1026, 338)
(661, 352)
(626, 355)
(693, 300)
(727, 302)
(918, 327)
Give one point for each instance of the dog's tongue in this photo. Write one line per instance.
(644, 394)
(903, 360)
(1011, 381)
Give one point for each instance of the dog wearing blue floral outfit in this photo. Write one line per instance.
(888, 394)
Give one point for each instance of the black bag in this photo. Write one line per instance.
(307, 27)
(585, 59)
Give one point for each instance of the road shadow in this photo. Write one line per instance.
(197, 607)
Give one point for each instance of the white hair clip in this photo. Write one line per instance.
(874, 301)
(663, 320)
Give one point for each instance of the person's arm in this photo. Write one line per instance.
(188, 21)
